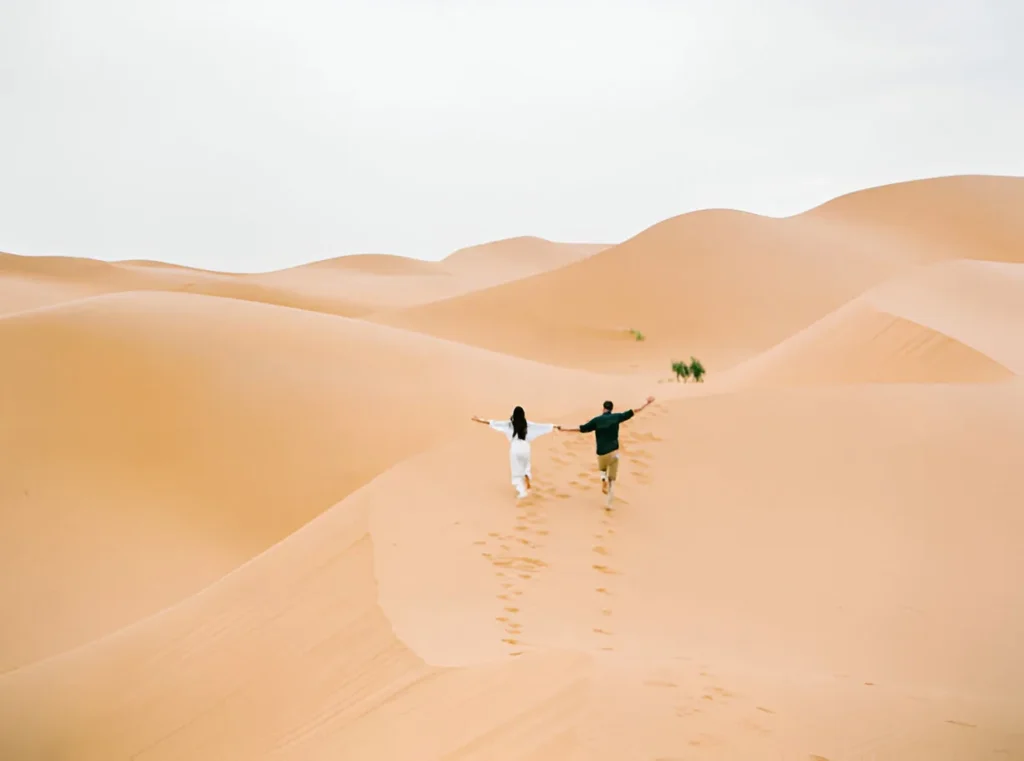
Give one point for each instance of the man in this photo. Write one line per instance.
(606, 431)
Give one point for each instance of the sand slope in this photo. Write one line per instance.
(953, 322)
(723, 285)
(144, 428)
(297, 640)
(695, 619)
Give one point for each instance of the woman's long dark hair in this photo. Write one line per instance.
(519, 423)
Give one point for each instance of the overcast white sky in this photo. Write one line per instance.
(244, 135)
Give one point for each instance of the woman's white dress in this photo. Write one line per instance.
(519, 449)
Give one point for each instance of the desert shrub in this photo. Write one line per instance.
(697, 370)
(682, 371)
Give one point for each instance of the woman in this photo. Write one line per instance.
(520, 432)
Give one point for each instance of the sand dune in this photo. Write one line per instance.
(953, 322)
(348, 286)
(514, 258)
(940, 218)
(233, 528)
(723, 285)
(143, 428)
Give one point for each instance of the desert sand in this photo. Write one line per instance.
(246, 516)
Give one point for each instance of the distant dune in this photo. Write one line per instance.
(515, 258)
(721, 285)
(348, 286)
(248, 517)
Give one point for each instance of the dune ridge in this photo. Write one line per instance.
(246, 516)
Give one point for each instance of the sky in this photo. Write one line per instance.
(250, 135)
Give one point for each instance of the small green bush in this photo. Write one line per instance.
(637, 334)
(697, 370)
(682, 371)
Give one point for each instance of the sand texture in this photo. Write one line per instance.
(247, 516)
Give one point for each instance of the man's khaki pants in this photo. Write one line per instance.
(609, 463)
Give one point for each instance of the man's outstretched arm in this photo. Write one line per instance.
(585, 428)
(630, 412)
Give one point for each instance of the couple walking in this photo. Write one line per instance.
(520, 432)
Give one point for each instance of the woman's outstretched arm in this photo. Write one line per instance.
(536, 430)
(476, 419)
